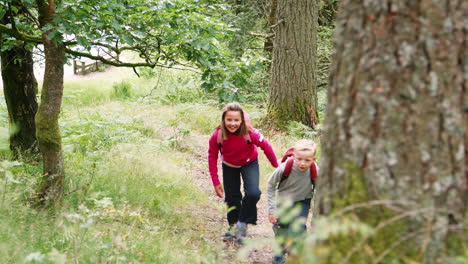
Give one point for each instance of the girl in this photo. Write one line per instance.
(237, 141)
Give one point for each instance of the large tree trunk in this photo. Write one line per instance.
(51, 187)
(396, 126)
(293, 82)
(19, 87)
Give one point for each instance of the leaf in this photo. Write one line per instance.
(14, 9)
(128, 39)
(52, 35)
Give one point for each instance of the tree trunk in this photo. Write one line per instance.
(19, 87)
(268, 44)
(396, 126)
(293, 82)
(51, 187)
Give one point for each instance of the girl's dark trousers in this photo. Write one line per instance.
(242, 209)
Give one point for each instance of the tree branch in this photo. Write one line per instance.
(18, 35)
(123, 64)
(109, 62)
(387, 203)
(263, 35)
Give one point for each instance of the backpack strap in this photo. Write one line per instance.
(313, 174)
(288, 167)
(247, 138)
(287, 170)
(289, 153)
(219, 140)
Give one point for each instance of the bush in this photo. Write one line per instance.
(122, 90)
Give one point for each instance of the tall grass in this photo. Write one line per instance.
(4, 133)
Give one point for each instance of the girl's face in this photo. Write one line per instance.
(232, 121)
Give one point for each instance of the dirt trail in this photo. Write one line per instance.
(256, 234)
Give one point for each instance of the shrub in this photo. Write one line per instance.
(122, 90)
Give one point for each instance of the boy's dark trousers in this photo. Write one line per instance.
(285, 233)
(242, 209)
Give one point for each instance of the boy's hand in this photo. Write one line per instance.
(219, 190)
(273, 219)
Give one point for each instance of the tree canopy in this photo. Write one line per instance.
(190, 34)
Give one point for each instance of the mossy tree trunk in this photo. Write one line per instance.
(19, 87)
(293, 93)
(51, 187)
(397, 117)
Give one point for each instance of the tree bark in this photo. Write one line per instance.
(397, 116)
(268, 44)
(293, 83)
(52, 184)
(19, 87)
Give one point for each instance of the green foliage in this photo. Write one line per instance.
(246, 17)
(322, 103)
(299, 130)
(176, 87)
(122, 90)
(327, 12)
(324, 53)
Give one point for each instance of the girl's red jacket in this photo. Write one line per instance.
(236, 151)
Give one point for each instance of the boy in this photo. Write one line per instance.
(293, 195)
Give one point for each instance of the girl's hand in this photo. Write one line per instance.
(219, 190)
(273, 219)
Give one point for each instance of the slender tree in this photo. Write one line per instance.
(396, 127)
(293, 80)
(48, 133)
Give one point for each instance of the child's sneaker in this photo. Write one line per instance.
(279, 260)
(241, 231)
(231, 232)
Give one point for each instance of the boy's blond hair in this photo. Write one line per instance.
(305, 145)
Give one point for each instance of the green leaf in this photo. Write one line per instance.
(14, 9)
(52, 35)
(47, 27)
(128, 39)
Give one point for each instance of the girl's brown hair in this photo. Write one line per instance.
(245, 126)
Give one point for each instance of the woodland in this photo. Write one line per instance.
(111, 166)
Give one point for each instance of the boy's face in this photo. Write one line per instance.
(303, 159)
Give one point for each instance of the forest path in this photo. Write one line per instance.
(259, 236)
